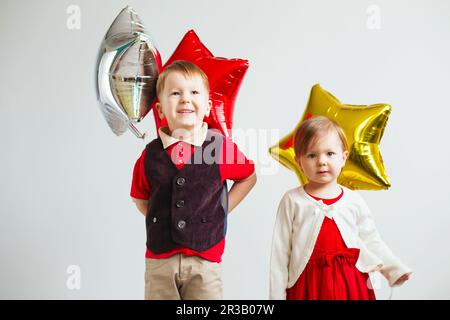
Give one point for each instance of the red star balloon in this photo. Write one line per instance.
(225, 78)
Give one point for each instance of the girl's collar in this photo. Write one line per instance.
(328, 200)
(319, 203)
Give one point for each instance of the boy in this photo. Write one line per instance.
(179, 184)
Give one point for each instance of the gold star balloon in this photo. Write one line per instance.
(363, 126)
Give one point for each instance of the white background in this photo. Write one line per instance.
(65, 177)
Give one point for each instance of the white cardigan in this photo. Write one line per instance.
(297, 227)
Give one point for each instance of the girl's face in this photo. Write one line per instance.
(324, 159)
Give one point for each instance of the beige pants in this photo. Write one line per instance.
(181, 277)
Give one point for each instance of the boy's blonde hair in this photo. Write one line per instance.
(310, 129)
(186, 68)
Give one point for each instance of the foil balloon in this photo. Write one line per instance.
(363, 126)
(225, 78)
(128, 66)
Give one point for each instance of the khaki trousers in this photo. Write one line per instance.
(181, 277)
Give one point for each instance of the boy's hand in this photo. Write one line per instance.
(142, 205)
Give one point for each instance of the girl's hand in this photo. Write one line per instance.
(402, 279)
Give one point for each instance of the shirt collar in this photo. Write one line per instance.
(319, 203)
(196, 138)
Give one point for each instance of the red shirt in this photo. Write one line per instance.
(233, 166)
(329, 201)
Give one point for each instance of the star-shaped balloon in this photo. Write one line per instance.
(128, 66)
(363, 126)
(225, 77)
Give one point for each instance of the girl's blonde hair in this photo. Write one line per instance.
(186, 68)
(310, 129)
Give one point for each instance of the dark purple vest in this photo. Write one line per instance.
(187, 207)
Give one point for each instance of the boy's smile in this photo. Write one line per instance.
(184, 102)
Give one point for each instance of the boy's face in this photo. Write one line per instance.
(184, 102)
(324, 159)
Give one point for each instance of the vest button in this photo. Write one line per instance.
(181, 181)
(154, 220)
(181, 224)
(180, 204)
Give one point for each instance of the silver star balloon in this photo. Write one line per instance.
(128, 66)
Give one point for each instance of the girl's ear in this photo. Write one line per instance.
(297, 159)
(159, 108)
(344, 156)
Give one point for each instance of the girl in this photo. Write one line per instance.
(325, 242)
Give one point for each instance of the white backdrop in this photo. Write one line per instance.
(65, 177)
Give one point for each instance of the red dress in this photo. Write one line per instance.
(331, 273)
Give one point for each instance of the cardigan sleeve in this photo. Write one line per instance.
(281, 250)
(393, 268)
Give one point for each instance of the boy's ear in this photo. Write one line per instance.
(208, 109)
(160, 113)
